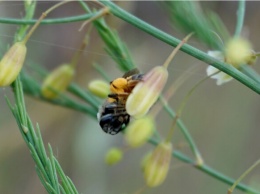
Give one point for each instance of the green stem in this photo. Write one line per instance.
(240, 17)
(231, 189)
(44, 14)
(230, 70)
(101, 71)
(174, 52)
(76, 57)
(49, 21)
(185, 132)
(208, 170)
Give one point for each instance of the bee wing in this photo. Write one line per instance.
(131, 72)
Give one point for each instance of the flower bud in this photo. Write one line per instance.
(12, 63)
(139, 131)
(57, 81)
(146, 92)
(156, 166)
(238, 51)
(113, 156)
(99, 88)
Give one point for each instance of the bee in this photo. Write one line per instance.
(112, 115)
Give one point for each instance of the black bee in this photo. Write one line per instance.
(112, 115)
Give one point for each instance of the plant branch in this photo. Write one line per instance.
(71, 19)
(208, 170)
(142, 25)
(45, 167)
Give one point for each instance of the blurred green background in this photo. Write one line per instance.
(224, 121)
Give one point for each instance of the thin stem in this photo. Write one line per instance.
(188, 95)
(174, 52)
(77, 54)
(48, 21)
(231, 189)
(142, 25)
(182, 105)
(240, 17)
(171, 91)
(186, 134)
(209, 170)
(44, 14)
(103, 12)
(101, 71)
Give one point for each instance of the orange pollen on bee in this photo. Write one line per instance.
(118, 85)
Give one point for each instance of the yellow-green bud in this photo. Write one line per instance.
(156, 166)
(12, 63)
(113, 156)
(146, 92)
(57, 81)
(99, 88)
(145, 159)
(238, 51)
(139, 131)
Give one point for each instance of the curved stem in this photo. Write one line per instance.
(231, 189)
(240, 17)
(174, 52)
(44, 14)
(233, 72)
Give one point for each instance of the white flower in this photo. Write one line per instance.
(221, 77)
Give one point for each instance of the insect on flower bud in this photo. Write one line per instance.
(12, 63)
(157, 164)
(139, 131)
(145, 93)
(57, 81)
(99, 88)
(113, 156)
(238, 51)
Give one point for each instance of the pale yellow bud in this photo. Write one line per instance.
(12, 63)
(113, 156)
(139, 131)
(57, 81)
(146, 92)
(145, 160)
(156, 166)
(99, 88)
(238, 51)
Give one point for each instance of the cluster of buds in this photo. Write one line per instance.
(138, 103)
(238, 51)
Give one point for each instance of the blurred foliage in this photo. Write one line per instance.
(189, 17)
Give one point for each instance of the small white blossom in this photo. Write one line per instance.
(221, 77)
